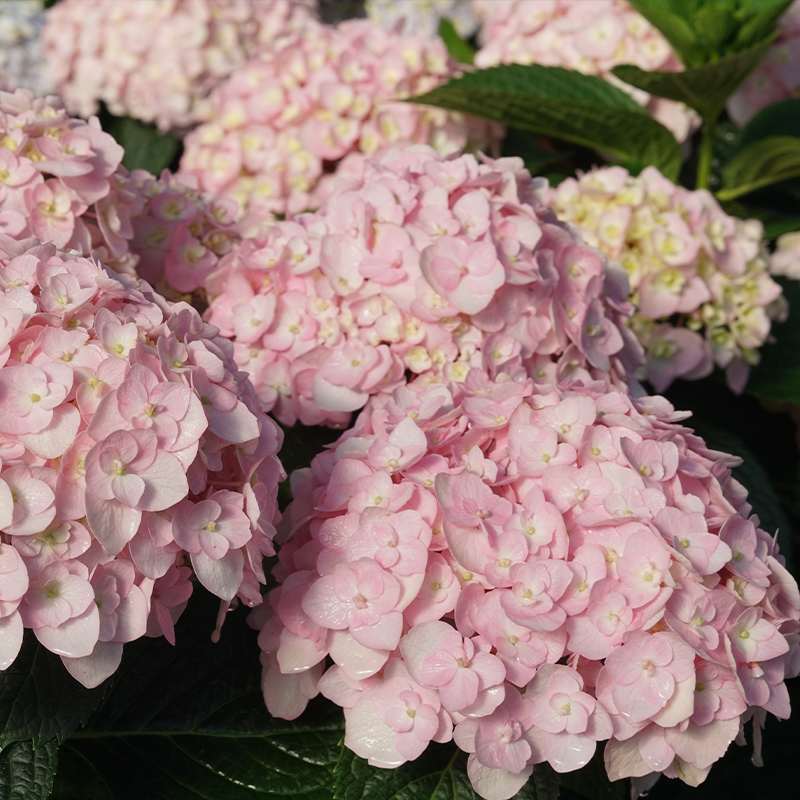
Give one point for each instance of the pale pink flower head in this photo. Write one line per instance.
(314, 97)
(136, 444)
(624, 597)
(684, 257)
(154, 62)
(330, 308)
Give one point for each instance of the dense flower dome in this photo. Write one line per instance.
(131, 449)
(278, 125)
(61, 179)
(418, 264)
(157, 60)
(777, 77)
(699, 277)
(590, 37)
(21, 62)
(53, 170)
(528, 570)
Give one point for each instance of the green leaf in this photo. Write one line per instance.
(779, 119)
(592, 781)
(535, 151)
(705, 88)
(767, 161)
(440, 773)
(777, 376)
(460, 50)
(189, 722)
(27, 773)
(777, 227)
(145, 147)
(39, 700)
(704, 31)
(562, 104)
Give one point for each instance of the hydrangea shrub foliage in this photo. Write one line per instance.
(332, 458)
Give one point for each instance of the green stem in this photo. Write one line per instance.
(706, 154)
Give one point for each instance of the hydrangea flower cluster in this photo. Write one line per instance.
(21, 62)
(61, 180)
(282, 120)
(785, 259)
(423, 16)
(777, 77)
(157, 61)
(131, 447)
(528, 570)
(591, 38)
(424, 264)
(53, 170)
(699, 278)
(177, 233)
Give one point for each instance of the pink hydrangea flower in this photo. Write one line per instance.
(775, 78)
(157, 62)
(684, 256)
(58, 176)
(274, 126)
(330, 308)
(622, 596)
(131, 444)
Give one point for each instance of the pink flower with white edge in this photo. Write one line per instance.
(13, 586)
(646, 672)
(360, 597)
(111, 441)
(567, 722)
(365, 291)
(59, 606)
(212, 532)
(495, 575)
(499, 749)
(438, 656)
(396, 719)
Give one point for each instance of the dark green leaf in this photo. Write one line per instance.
(777, 227)
(777, 377)
(592, 781)
(27, 773)
(536, 151)
(767, 161)
(677, 29)
(780, 119)
(189, 722)
(461, 51)
(705, 88)
(39, 699)
(145, 147)
(440, 773)
(703, 31)
(566, 105)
